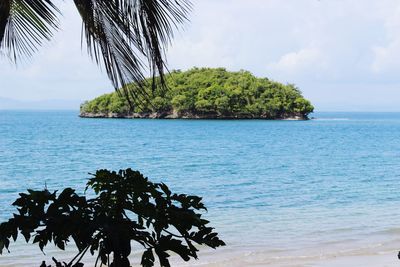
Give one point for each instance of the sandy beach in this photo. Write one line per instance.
(380, 255)
(377, 259)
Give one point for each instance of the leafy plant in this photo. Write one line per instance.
(127, 208)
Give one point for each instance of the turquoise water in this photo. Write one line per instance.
(269, 185)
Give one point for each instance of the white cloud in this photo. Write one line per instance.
(299, 61)
(387, 56)
(342, 44)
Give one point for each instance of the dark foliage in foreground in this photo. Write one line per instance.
(127, 207)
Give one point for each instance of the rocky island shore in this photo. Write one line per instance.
(206, 93)
(175, 115)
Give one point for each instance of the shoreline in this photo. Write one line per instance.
(188, 116)
(368, 254)
(383, 259)
(238, 258)
(375, 256)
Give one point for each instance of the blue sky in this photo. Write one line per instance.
(343, 54)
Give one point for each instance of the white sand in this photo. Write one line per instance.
(239, 259)
(227, 257)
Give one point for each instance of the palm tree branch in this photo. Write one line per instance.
(121, 34)
(24, 24)
(126, 37)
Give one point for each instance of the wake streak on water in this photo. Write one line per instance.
(331, 119)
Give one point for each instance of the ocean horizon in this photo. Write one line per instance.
(278, 192)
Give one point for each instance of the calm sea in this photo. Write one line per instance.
(326, 185)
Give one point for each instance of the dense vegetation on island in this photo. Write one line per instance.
(208, 93)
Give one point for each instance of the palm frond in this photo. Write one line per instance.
(24, 24)
(122, 34)
(127, 37)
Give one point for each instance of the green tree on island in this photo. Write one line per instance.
(208, 93)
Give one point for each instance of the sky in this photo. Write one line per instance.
(344, 55)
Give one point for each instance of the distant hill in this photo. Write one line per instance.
(209, 93)
(55, 104)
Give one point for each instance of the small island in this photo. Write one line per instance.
(207, 93)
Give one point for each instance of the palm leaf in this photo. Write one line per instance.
(24, 24)
(121, 34)
(127, 37)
